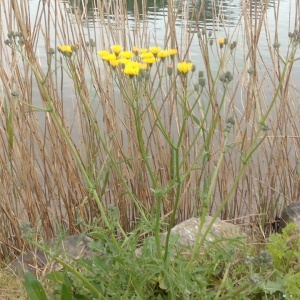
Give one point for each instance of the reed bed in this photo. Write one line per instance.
(82, 144)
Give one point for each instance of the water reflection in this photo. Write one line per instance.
(195, 12)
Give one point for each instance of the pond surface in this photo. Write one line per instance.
(223, 17)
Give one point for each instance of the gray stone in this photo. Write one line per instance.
(188, 230)
(290, 214)
(74, 246)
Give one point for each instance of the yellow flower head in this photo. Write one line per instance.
(109, 57)
(135, 50)
(184, 67)
(154, 50)
(65, 49)
(116, 49)
(143, 66)
(132, 69)
(146, 55)
(114, 62)
(127, 54)
(103, 53)
(172, 52)
(163, 54)
(221, 41)
(150, 60)
(124, 61)
(143, 50)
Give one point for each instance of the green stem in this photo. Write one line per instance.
(85, 281)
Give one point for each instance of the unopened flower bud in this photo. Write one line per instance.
(92, 43)
(170, 70)
(147, 76)
(250, 70)
(21, 42)
(202, 81)
(51, 51)
(14, 93)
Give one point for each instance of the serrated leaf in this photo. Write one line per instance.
(272, 287)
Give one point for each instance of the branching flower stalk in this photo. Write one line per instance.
(201, 237)
(107, 150)
(50, 109)
(71, 269)
(178, 175)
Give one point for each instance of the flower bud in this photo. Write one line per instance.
(250, 70)
(202, 81)
(14, 93)
(51, 51)
(170, 70)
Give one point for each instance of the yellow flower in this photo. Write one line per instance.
(114, 62)
(150, 60)
(154, 50)
(127, 54)
(143, 66)
(135, 50)
(103, 53)
(221, 41)
(116, 49)
(110, 56)
(65, 49)
(172, 52)
(163, 54)
(184, 67)
(143, 50)
(146, 55)
(132, 69)
(124, 61)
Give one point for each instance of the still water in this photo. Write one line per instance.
(223, 17)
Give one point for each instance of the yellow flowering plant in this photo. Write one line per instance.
(126, 54)
(184, 67)
(117, 49)
(163, 54)
(154, 50)
(146, 55)
(132, 69)
(172, 52)
(150, 60)
(66, 50)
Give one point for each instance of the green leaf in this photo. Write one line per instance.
(272, 287)
(55, 276)
(196, 120)
(66, 290)
(34, 289)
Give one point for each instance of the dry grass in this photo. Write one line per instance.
(11, 287)
(41, 181)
